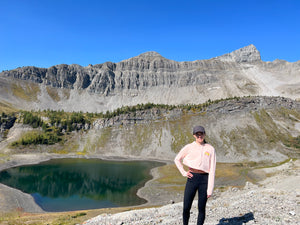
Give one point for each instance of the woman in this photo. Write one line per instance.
(200, 157)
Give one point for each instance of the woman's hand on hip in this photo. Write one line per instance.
(189, 174)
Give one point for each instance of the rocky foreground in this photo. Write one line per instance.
(275, 200)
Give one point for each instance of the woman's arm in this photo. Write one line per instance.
(178, 161)
(211, 175)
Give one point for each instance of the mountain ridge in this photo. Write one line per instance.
(149, 77)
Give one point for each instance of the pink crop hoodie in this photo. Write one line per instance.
(200, 157)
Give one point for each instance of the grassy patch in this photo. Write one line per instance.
(7, 108)
(104, 138)
(52, 92)
(169, 174)
(275, 133)
(60, 151)
(181, 133)
(291, 114)
(4, 157)
(26, 92)
(228, 170)
(65, 218)
(267, 125)
(141, 138)
(227, 174)
(238, 139)
(66, 93)
(19, 217)
(69, 146)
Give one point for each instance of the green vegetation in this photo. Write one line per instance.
(3, 117)
(30, 119)
(7, 108)
(180, 131)
(46, 135)
(36, 138)
(79, 214)
(133, 109)
(56, 126)
(274, 133)
(147, 106)
(19, 217)
(51, 131)
(293, 142)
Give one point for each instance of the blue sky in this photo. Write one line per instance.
(44, 33)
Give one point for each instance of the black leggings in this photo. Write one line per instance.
(197, 182)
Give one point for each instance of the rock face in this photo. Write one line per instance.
(239, 129)
(6, 122)
(147, 70)
(150, 77)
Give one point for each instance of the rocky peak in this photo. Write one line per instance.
(245, 54)
(147, 56)
(150, 61)
(150, 54)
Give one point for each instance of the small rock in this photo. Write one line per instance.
(292, 213)
(234, 189)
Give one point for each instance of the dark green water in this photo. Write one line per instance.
(75, 184)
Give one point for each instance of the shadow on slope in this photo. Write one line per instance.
(237, 220)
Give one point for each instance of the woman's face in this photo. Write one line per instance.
(199, 136)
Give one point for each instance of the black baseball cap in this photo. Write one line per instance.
(197, 129)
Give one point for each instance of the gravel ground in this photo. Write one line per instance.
(273, 201)
(12, 199)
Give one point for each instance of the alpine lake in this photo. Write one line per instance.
(75, 184)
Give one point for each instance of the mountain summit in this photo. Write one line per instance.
(246, 54)
(150, 54)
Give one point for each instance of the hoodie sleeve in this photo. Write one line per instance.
(212, 171)
(178, 160)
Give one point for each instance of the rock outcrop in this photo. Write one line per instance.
(247, 54)
(6, 122)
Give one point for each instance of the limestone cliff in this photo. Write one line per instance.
(150, 77)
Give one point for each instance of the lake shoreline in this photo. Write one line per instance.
(28, 210)
(13, 199)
